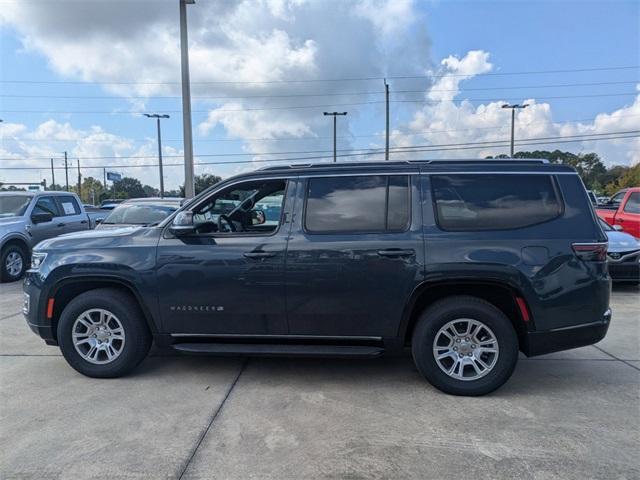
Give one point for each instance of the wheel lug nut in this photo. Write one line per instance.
(455, 349)
(457, 340)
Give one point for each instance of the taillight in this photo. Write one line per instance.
(593, 252)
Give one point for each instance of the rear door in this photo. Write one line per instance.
(355, 253)
(73, 220)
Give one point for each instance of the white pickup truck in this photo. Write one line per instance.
(27, 218)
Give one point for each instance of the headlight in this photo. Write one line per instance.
(37, 259)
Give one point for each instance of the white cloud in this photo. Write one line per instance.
(450, 119)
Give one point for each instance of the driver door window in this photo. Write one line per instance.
(248, 208)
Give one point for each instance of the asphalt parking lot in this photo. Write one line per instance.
(569, 415)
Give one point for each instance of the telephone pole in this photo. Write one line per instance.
(53, 176)
(189, 190)
(513, 119)
(66, 170)
(158, 117)
(79, 181)
(334, 115)
(386, 96)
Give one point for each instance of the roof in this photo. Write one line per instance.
(155, 200)
(36, 193)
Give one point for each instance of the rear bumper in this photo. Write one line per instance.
(548, 341)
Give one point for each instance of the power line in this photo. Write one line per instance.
(498, 144)
(580, 137)
(327, 94)
(305, 138)
(297, 107)
(347, 79)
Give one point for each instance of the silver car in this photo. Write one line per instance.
(27, 218)
(623, 254)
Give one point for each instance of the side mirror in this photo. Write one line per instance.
(41, 217)
(258, 217)
(183, 224)
(617, 228)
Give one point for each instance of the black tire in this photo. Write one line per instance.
(127, 311)
(464, 307)
(5, 274)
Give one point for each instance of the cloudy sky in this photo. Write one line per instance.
(77, 76)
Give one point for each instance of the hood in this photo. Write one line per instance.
(9, 221)
(104, 238)
(622, 242)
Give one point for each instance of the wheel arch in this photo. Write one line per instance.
(66, 290)
(502, 295)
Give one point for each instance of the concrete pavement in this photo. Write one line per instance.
(568, 415)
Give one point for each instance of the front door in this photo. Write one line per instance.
(355, 254)
(42, 231)
(228, 277)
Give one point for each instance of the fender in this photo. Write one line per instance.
(98, 279)
(499, 278)
(16, 236)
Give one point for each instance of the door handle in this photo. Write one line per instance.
(83, 221)
(259, 254)
(397, 252)
(61, 224)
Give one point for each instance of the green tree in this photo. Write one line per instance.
(128, 187)
(202, 182)
(92, 190)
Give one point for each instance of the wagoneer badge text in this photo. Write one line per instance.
(196, 308)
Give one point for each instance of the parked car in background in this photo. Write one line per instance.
(623, 209)
(464, 262)
(623, 254)
(140, 211)
(110, 203)
(603, 200)
(27, 218)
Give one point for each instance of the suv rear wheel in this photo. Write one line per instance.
(13, 263)
(465, 346)
(102, 333)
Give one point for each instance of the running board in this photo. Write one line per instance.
(273, 350)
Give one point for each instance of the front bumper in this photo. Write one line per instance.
(548, 341)
(34, 309)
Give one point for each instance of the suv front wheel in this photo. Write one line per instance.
(102, 333)
(465, 346)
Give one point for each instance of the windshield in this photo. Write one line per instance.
(13, 205)
(133, 214)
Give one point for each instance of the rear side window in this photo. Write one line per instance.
(373, 203)
(633, 204)
(494, 202)
(68, 205)
(46, 205)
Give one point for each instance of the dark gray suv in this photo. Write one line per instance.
(465, 263)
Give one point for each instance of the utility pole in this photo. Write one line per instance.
(66, 170)
(104, 178)
(79, 181)
(189, 190)
(334, 115)
(513, 120)
(53, 176)
(386, 96)
(158, 117)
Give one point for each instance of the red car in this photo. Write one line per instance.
(623, 209)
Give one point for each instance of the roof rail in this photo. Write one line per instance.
(482, 160)
(424, 162)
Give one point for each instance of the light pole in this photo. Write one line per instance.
(334, 115)
(158, 117)
(513, 119)
(189, 190)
